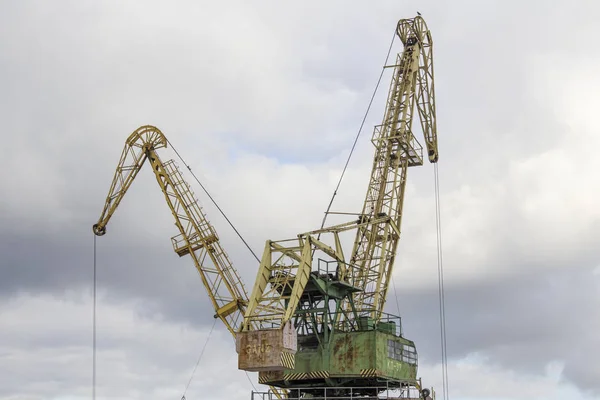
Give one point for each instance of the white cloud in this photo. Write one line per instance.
(474, 378)
(46, 352)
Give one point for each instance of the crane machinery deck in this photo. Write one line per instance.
(314, 324)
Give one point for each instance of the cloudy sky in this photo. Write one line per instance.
(263, 101)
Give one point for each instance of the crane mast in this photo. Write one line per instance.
(396, 149)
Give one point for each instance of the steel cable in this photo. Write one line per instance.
(235, 230)
(199, 359)
(214, 202)
(442, 300)
(94, 327)
(358, 134)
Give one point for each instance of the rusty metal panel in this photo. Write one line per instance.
(352, 353)
(266, 350)
(290, 338)
(359, 356)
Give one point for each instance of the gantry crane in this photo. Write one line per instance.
(314, 323)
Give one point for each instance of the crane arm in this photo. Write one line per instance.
(425, 83)
(132, 160)
(396, 149)
(196, 237)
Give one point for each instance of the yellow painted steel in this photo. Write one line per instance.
(396, 149)
(197, 237)
(282, 276)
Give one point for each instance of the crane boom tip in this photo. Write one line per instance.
(99, 230)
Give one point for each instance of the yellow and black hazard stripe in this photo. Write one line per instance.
(318, 374)
(294, 377)
(269, 376)
(369, 373)
(288, 360)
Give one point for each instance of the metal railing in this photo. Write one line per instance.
(342, 393)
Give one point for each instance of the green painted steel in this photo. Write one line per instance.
(350, 353)
(366, 353)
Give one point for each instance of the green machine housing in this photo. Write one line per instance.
(366, 354)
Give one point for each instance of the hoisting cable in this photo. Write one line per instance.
(250, 380)
(442, 301)
(94, 327)
(235, 230)
(213, 201)
(248, 376)
(199, 359)
(396, 294)
(358, 134)
(387, 57)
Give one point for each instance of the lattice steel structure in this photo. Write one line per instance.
(197, 237)
(396, 149)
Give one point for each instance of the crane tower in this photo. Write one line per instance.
(326, 310)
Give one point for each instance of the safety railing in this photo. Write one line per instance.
(340, 393)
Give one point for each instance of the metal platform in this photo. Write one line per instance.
(351, 393)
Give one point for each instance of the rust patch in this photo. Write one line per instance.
(263, 350)
(344, 354)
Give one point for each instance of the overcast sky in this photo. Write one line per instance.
(263, 102)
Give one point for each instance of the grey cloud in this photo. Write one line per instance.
(521, 322)
(74, 90)
(123, 271)
(157, 358)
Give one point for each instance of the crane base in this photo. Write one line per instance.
(407, 391)
(372, 356)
